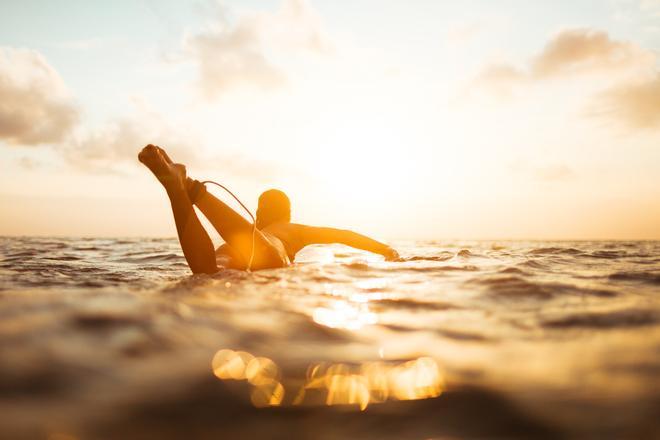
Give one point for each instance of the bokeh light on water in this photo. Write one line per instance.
(336, 383)
(262, 373)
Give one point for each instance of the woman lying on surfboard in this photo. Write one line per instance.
(274, 241)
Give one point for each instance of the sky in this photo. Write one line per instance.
(418, 119)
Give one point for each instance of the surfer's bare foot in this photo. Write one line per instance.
(171, 175)
(189, 181)
(165, 155)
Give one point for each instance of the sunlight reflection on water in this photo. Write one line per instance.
(344, 314)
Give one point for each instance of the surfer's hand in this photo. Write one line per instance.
(391, 254)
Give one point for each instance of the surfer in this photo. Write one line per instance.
(274, 241)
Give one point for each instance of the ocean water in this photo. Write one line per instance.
(113, 338)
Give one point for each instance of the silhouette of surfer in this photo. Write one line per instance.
(273, 243)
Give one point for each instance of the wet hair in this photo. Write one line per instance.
(274, 207)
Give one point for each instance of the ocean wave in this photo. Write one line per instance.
(519, 287)
(64, 258)
(442, 257)
(461, 335)
(445, 268)
(127, 329)
(605, 320)
(514, 287)
(608, 254)
(357, 265)
(157, 258)
(513, 270)
(643, 276)
(555, 251)
(410, 304)
(464, 253)
(534, 264)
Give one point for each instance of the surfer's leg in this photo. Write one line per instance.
(237, 232)
(195, 242)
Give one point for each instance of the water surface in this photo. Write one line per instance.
(113, 338)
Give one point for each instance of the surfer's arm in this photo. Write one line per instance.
(316, 235)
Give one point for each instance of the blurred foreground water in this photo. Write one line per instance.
(113, 338)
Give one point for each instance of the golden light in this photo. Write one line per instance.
(230, 364)
(418, 379)
(344, 314)
(261, 371)
(348, 390)
(340, 384)
(375, 382)
(268, 394)
(360, 154)
(378, 381)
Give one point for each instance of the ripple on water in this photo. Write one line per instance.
(410, 304)
(157, 258)
(649, 277)
(461, 335)
(513, 270)
(64, 258)
(443, 256)
(513, 287)
(555, 251)
(534, 264)
(608, 255)
(605, 320)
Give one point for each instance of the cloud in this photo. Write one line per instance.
(28, 163)
(242, 54)
(119, 140)
(35, 106)
(575, 51)
(500, 79)
(631, 96)
(569, 53)
(635, 105)
(116, 144)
